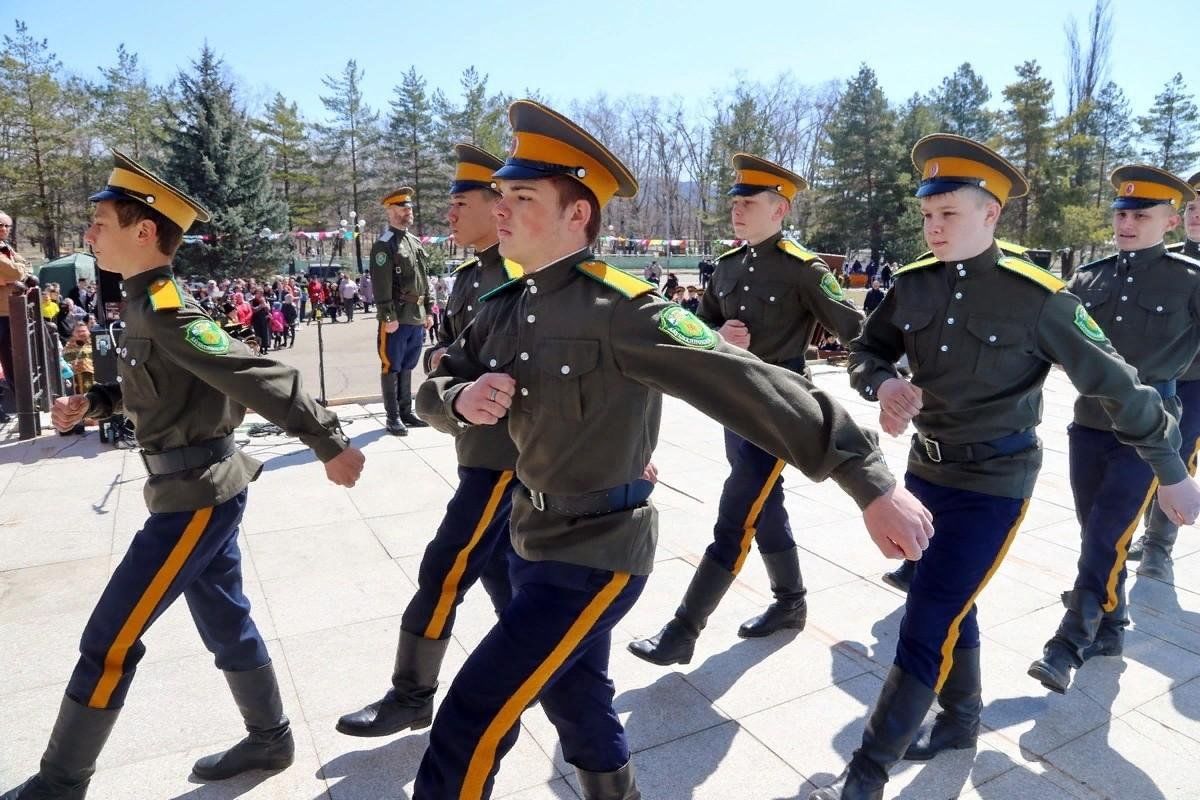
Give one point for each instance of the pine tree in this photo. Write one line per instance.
(961, 105)
(917, 118)
(481, 120)
(212, 156)
(130, 110)
(285, 136)
(412, 133)
(350, 139)
(1113, 128)
(1172, 128)
(1027, 129)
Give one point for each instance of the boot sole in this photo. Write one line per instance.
(374, 732)
(757, 634)
(1045, 678)
(221, 776)
(930, 755)
(659, 661)
(895, 584)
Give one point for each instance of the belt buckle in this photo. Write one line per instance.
(537, 500)
(932, 449)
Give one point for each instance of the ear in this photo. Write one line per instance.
(1173, 221)
(147, 234)
(782, 209)
(581, 214)
(992, 215)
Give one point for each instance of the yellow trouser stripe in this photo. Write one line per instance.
(441, 612)
(1191, 463)
(1121, 550)
(484, 756)
(750, 525)
(383, 356)
(114, 659)
(952, 634)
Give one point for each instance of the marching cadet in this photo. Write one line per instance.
(766, 296)
(1147, 300)
(472, 541)
(399, 275)
(981, 331)
(186, 386)
(1153, 548)
(573, 357)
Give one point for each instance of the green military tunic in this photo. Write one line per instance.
(592, 349)
(1190, 249)
(980, 336)
(183, 381)
(487, 446)
(1148, 302)
(400, 278)
(780, 290)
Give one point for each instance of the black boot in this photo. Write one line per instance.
(618, 785)
(789, 609)
(70, 759)
(897, 717)
(405, 401)
(391, 404)
(1135, 549)
(675, 643)
(408, 705)
(1110, 636)
(1160, 538)
(961, 699)
(901, 577)
(268, 744)
(1063, 654)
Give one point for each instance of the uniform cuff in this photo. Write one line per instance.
(866, 480)
(332, 445)
(870, 390)
(1170, 471)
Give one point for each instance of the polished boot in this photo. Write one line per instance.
(391, 404)
(1110, 636)
(618, 785)
(268, 744)
(405, 402)
(961, 699)
(901, 577)
(1139, 544)
(789, 609)
(675, 643)
(1157, 544)
(408, 705)
(70, 759)
(1063, 654)
(897, 717)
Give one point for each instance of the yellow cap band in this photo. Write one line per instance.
(949, 167)
(535, 147)
(1146, 190)
(396, 199)
(767, 180)
(466, 171)
(155, 195)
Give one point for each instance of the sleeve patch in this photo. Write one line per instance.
(686, 328)
(207, 337)
(831, 287)
(381, 258)
(1085, 323)
(165, 295)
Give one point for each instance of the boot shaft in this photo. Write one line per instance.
(418, 662)
(617, 785)
(704, 593)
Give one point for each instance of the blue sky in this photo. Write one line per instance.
(571, 50)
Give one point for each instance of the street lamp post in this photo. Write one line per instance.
(358, 226)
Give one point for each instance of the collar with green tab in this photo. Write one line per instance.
(547, 279)
(1136, 260)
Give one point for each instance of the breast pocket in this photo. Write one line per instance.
(1003, 356)
(1165, 312)
(772, 300)
(913, 322)
(498, 352)
(138, 386)
(1093, 299)
(725, 285)
(566, 367)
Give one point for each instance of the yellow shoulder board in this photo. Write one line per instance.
(165, 295)
(796, 251)
(731, 251)
(617, 279)
(916, 265)
(513, 270)
(1031, 271)
(470, 262)
(1012, 248)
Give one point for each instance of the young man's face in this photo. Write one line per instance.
(117, 248)
(400, 216)
(532, 229)
(470, 217)
(757, 216)
(1139, 228)
(1191, 220)
(958, 225)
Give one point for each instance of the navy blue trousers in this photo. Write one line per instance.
(472, 543)
(1188, 393)
(401, 349)
(193, 553)
(551, 643)
(1112, 488)
(751, 506)
(972, 532)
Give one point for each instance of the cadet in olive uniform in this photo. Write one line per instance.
(186, 385)
(573, 357)
(472, 541)
(981, 331)
(399, 275)
(1153, 548)
(766, 296)
(1147, 301)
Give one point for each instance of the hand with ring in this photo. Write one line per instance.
(486, 401)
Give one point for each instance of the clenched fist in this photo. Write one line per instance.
(67, 412)
(487, 400)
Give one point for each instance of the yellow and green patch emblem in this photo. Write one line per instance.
(831, 287)
(207, 337)
(686, 328)
(381, 257)
(1085, 323)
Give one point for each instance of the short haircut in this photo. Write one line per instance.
(168, 234)
(571, 191)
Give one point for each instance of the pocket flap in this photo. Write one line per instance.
(568, 358)
(912, 318)
(996, 332)
(498, 352)
(1161, 302)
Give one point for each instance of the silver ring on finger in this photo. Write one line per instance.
(492, 396)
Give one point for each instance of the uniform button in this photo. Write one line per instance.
(772, 299)
(1118, 318)
(524, 356)
(124, 293)
(945, 348)
(752, 269)
(529, 281)
(958, 295)
(470, 308)
(1158, 308)
(531, 319)
(1124, 298)
(958, 266)
(133, 362)
(1088, 304)
(907, 326)
(950, 321)
(745, 288)
(992, 338)
(524, 392)
(1129, 279)
(566, 369)
(476, 284)
(119, 379)
(492, 363)
(533, 290)
(742, 308)
(720, 294)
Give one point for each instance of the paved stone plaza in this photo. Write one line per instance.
(329, 571)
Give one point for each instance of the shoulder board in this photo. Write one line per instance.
(730, 252)
(483, 298)
(386, 236)
(1191, 262)
(916, 265)
(1012, 248)
(165, 295)
(1175, 248)
(512, 269)
(470, 262)
(1031, 272)
(796, 251)
(617, 279)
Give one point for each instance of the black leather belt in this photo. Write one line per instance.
(192, 456)
(937, 452)
(592, 504)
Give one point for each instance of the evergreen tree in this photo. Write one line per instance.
(349, 140)
(286, 138)
(130, 111)
(212, 156)
(917, 118)
(1172, 128)
(961, 105)
(481, 120)
(412, 132)
(1113, 128)
(1027, 130)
